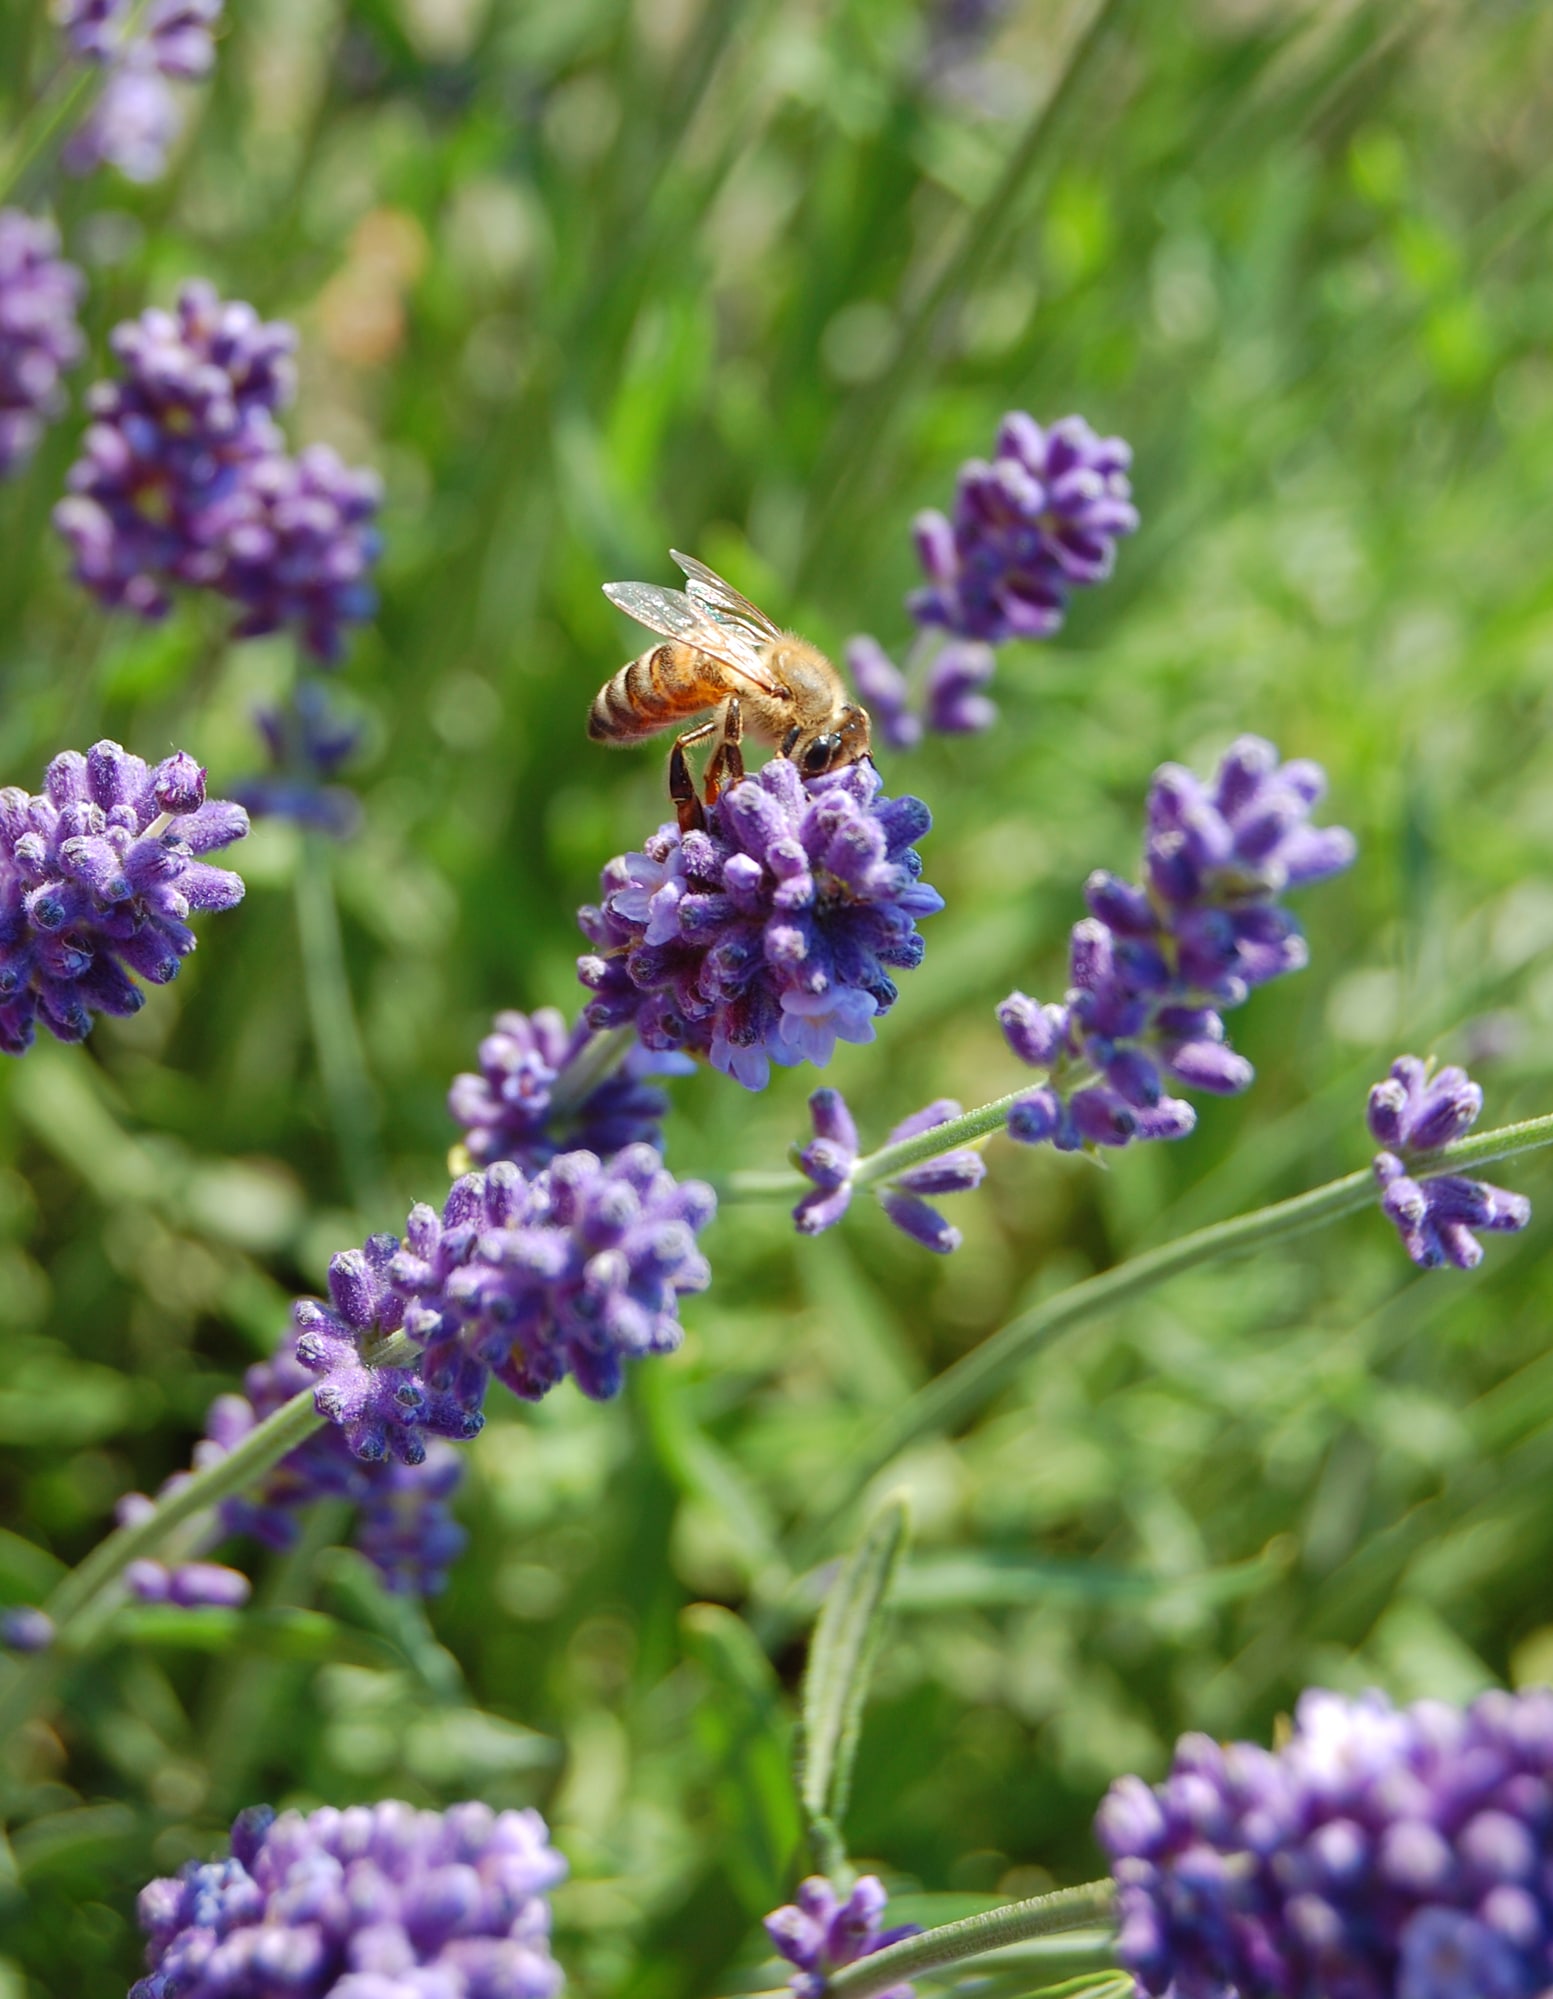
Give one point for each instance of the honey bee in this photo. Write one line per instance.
(724, 654)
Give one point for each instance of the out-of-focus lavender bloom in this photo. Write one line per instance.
(185, 480)
(25, 1628)
(1416, 1110)
(767, 936)
(169, 445)
(188, 1585)
(573, 1271)
(1381, 1854)
(1042, 517)
(136, 119)
(300, 541)
(1152, 969)
(523, 1104)
(134, 123)
(307, 741)
(366, 1903)
(830, 1156)
(956, 705)
(884, 691)
(99, 874)
(820, 1933)
(39, 338)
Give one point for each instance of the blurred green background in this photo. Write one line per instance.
(588, 278)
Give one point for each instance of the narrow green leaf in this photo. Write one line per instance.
(841, 1656)
(277, 1634)
(745, 1733)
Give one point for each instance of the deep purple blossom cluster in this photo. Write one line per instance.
(1380, 1854)
(39, 338)
(99, 874)
(523, 1104)
(820, 1933)
(571, 1271)
(1043, 516)
(770, 935)
(307, 741)
(185, 481)
(373, 1901)
(1153, 968)
(830, 1158)
(136, 119)
(1416, 1110)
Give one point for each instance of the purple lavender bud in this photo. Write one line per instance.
(179, 784)
(882, 687)
(924, 1224)
(509, 1109)
(40, 341)
(299, 542)
(770, 935)
(1120, 906)
(133, 125)
(1341, 1863)
(1036, 1118)
(25, 1628)
(955, 704)
(192, 1584)
(1101, 1117)
(180, 34)
(821, 1934)
(1208, 1065)
(1419, 1109)
(378, 1900)
(1041, 518)
(1034, 1032)
(91, 893)
(93, 28)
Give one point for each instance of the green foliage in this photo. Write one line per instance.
(590, 278)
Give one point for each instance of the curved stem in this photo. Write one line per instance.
(1088, 1907)
(595, 1060)
(981, 1373)
(81, 1596)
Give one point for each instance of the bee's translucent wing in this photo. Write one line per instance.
(721, 599)
(677, 616)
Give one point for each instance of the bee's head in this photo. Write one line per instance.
(847, 743)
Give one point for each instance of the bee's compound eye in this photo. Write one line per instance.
(817, 757)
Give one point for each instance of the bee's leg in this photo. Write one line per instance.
(727, 764)
(682, 786)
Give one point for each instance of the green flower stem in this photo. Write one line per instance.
(1088, 1907)
(980, 1374)
(342, 1062)
(82, 1597)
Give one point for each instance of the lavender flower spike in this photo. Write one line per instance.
(820, 1933)
(1380, 1854)
(510, 1109)
(1417, 1109)
(39, 338)
(1152, 970)
(370, 1901)
(98, 876)
(830, 1156)
(572, 1271)
(881, 684)
(1042, 518)
(772, 934)
(307, 742)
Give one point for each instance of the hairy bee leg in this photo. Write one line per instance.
(727, 765)
(682, 786)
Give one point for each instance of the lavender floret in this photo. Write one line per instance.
(134, 123)
(1153, 968)
(25, 1628)
(519, 1105)
(882, 687)
(769, 936)
(372, 1901)
(1380, 1853)
(1040, 519)
(953, 696)
(300, 540)
(39, 338)
(97, 882)
(830, 1156)
(820, 1933)
(306, 741)
(573, 1271)
(1416, 1110)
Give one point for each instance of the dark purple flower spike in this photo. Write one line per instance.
(1416, 1110)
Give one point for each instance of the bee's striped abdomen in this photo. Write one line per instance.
(646, 695)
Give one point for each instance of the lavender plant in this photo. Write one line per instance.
(40, 342)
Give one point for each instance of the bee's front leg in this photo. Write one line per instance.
(726, 767)
(682, 786)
